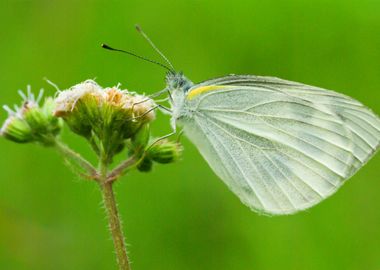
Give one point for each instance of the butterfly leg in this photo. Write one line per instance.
(159, 106)
(174, 131)
(162, 100)
(162, 138)
(179, 135)
(164, 109)
(149, 97)
(152, 96)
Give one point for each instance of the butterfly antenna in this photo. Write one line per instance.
(105, 46)
(138, 28)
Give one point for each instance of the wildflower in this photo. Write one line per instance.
(30, 122)
(109, 116)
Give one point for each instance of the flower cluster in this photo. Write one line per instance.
(106, 117)
(32, 122)
(109, 118)
(87, 108)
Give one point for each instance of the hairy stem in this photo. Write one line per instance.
(122, 167)
(69, 153)
(113, 217)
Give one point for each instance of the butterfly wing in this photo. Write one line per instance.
(280, 146)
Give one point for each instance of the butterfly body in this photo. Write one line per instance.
(178, 85)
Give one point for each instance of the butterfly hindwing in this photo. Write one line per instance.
(280, 146)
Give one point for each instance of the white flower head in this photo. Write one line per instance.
(109, 115)
(67, 99)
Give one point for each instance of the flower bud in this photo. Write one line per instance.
(17, 130)
(145, 165)
(32, 123)
(165, 151)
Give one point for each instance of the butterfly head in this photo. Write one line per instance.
(178, 81)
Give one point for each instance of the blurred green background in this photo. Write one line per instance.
(182, 216)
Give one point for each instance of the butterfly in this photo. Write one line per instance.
(280, 146)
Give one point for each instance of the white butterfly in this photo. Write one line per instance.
(280, 146)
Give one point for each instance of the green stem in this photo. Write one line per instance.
(113, 217)
(122, 167)
(69, 153)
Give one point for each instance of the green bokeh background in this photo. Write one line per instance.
(181, 216)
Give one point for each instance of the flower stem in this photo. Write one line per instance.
(113, 218)
(69, 153)
(122, 167)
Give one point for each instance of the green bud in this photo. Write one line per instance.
(165, 151)
(17, 130)
(145, 165)
(32, 123)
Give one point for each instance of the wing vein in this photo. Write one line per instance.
(299, 121)
(261, 177)
(306, 166)
(297, 138)
(290, 181)
(260, 200)
(365, 120)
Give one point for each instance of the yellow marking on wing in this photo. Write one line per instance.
(203, 89)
